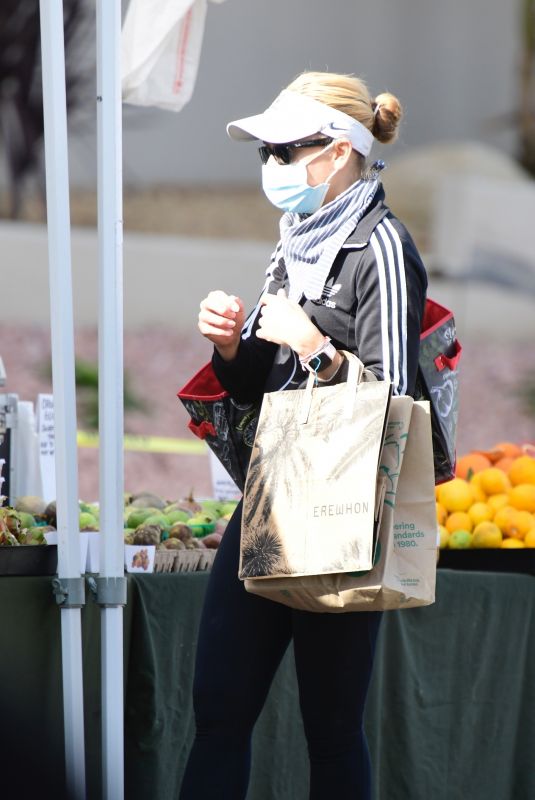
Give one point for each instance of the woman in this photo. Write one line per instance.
(345, 276)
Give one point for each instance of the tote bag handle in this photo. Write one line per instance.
(354, 377)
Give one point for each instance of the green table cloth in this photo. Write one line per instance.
(449, 714)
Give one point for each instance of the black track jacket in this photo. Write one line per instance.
(372, 304)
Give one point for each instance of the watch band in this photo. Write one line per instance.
(321, 358)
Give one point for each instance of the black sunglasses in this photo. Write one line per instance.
(282, 152)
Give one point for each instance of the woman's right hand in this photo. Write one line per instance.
(221, 320)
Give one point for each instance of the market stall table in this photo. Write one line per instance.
(449, 715)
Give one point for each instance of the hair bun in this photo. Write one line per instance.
(387, 112)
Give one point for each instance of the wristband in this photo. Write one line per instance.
(321, 358)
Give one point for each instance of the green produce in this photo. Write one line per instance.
(201, 524)
(229, 507)
(177, 515)
(138, 516)
(34, 535)
(26, 520)
(158, 519)
(87, 522)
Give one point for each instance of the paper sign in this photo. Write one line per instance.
(223, 487)
(47, 445)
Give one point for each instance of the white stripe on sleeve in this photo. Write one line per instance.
(403, 300)
(385, 337)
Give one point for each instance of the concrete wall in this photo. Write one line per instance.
(453, 65)
(165, 277)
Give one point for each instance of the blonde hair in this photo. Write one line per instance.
(350, 94)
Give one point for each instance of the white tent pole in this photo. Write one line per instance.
(111, 584)
(69, 586)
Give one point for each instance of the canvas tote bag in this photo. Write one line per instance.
(404, 570)
(312, 502)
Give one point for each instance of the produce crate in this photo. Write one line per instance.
(183, 560)
(27, 559)
(489, 560)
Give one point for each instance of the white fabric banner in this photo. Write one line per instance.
(160, 51)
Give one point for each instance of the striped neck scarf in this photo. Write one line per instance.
(310, 243)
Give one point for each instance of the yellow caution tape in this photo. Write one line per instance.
(148, 444)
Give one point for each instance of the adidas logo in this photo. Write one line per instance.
(329, 290)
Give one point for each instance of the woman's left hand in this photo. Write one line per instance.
(283, 321)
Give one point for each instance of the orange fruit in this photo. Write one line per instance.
(441, 514)
(494, 481)
(512, 543)
(497, 501)
(487, 534)
(522, 470)
(504, 463)
(455, 495)
(459, 521)
(504, 517)
(470, 464)
(522, 497)
(480, 512)
(518, 524)
(529, 539)
(508, 449)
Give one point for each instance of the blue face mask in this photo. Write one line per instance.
(287, 187)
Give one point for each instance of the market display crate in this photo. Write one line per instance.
(489, 560)
(183, 560)
(28, 560)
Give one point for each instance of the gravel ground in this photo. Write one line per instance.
(157, 364)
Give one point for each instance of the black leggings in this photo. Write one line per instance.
(242, 640)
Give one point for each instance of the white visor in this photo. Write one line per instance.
(293, 116)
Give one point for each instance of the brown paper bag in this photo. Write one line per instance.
(404, 571)
(309, 503)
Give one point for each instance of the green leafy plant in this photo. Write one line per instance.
(86, 380)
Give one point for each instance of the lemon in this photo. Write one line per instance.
(480, 512)
(529, 539)
(512, 544)
(494, 481)
(444, 537)
(455, 495)
(487, 534)
(497, 501)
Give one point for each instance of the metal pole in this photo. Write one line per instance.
(111, 584)
(69, 586)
